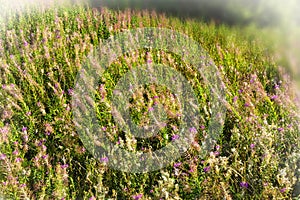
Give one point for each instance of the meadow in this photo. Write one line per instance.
(43, 157)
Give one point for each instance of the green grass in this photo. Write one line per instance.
(42, 156)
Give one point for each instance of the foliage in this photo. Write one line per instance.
(42, 157)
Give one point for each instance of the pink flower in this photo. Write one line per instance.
(177, 164)
(104, 159)
(193, 130)
(137, 197)
(16, 152)
(2, 156)
(274, 97)
(175, 137)
(246, 104)
(283, 190)
(24, 128)
(235, 99)
(64, 166)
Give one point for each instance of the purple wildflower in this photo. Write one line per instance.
(18, 160)
(191, 170)
(178, 115)
(40, 143)
(70, 91)
(2, 156)
(283, 190)
(44, 147)
(25, 137)
(244, 184)
(15, 152)
(246, 104)
(104, 159)
(47, 133)
(64, 166)
(175, 137)
(235, 99)
(252, 146)
(177, 164)
(4, 130)
(137, 197)
(193, 130)
(24, 128)
(280, 129)
(206, 169)
(150, 109)
(274, 97)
